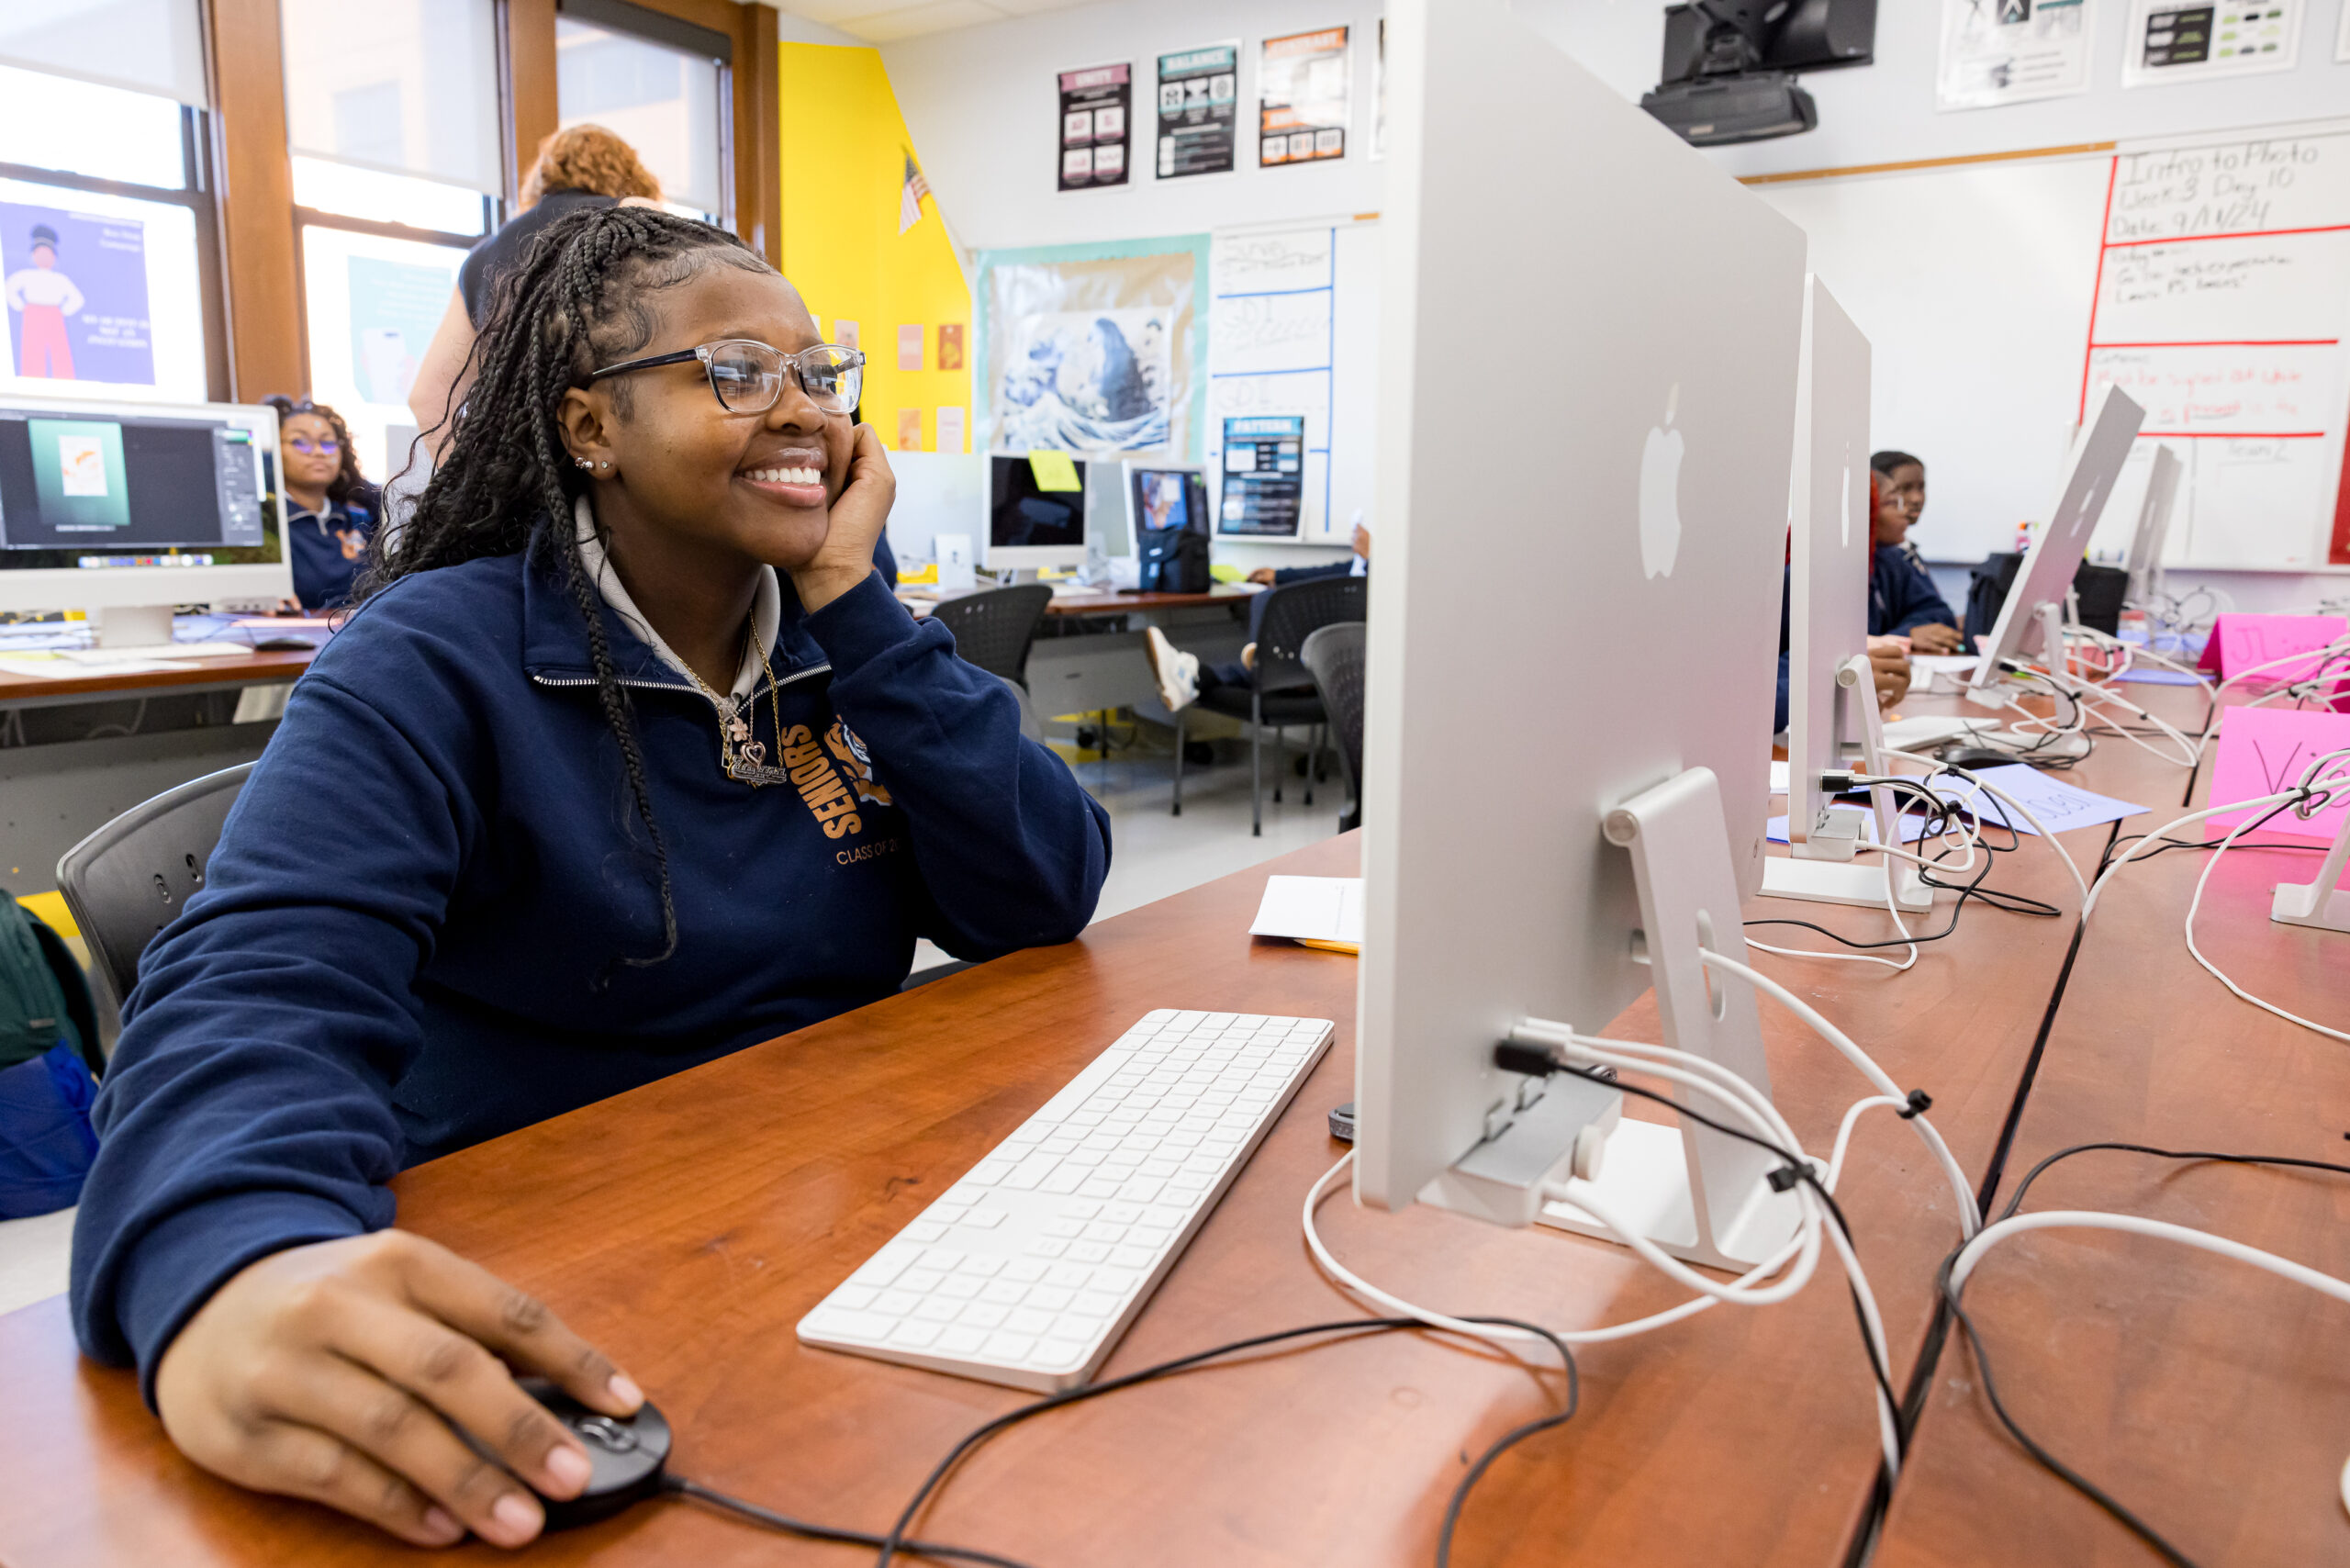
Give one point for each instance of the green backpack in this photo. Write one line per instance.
(43, 996)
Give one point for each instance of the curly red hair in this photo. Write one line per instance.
(587, 158)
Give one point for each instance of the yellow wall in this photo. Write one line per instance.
(845, 147)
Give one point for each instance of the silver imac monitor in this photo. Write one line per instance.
(2145, 562)
(1832, 696)
(129, 509)
(2035, 604)
(1627, 456)
(1025, 523)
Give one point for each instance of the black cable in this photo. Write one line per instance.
(895, 1541)
(678, 1487)
(2167, 845)
(2047, 1460)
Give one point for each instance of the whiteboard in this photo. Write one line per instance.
(1292, 329)
(2210, 277)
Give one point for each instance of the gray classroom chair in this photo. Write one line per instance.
(1284, 618)
(132, 877)
(1335, 656)
(995, 629)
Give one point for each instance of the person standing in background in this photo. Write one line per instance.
(44, 297)
(331, 511)
(583, 166)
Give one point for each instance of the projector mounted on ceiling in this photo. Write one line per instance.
(1730, 65)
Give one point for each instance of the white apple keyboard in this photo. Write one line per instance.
(1027, 1270)
(160, 653)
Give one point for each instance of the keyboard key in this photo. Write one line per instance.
(1117, 1282)
(1047, 1249)
(1096, 1304)
(1099, 1187)
(1142, 1189)
(923, 1230)
(914, 1335)
(1124, 1214)
(961, 1287)
(1006, 1292)
(1187, 1183)
(1029, 1320)
(986, 1219)
(1132, 1257)
(1063, 1181)
(984, 1315)
(1086, 1208)
(1062, 1352)
(938, 1309)
(1075, 1276)
(921, 1281)
(1025, 1271)
(1050, 1298)
(834, 1324)
(1024, 1177)
(884, 1267)
(855, 1297)
(1150, 1235)
(945, 1213)
(1066, 1229)
(1089, 1252)
(962, 1342)
(1102, 1230)
(979, 1264)
(988, 1172)
(1010, 1346)
(895, 1304)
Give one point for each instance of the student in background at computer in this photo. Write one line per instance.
(1905, 480)
(1277, 576)
(331, 511)
(632, 761)
(1183, 679)
(1903, 601)
(582, 166)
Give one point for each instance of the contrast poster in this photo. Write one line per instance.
(1096, 125)
(1302, 98)
(395, 309)
(1264, 476)
(2012, 51)
(1199, 109)
(2190, 40)
(1092, 348)
(76, 290)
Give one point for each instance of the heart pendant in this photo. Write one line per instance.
(754, 753)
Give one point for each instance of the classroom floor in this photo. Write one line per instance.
(1152, 855)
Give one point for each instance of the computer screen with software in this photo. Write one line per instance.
(1029, 524)
(116, 506)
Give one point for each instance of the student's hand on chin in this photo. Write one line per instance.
(329, 1372)
(857, 515)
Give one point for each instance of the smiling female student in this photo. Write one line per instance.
(636, 761)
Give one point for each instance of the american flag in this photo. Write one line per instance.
(910, 196)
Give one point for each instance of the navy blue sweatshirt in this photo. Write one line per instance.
(416, 967)
(1902, 597)
(326, 552)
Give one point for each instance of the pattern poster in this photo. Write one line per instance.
(1093, 349)
(1095, 124)
(76, 292)
(2188, 41)
(1302, 100)
(2011, 52)
(1199, 109)
(1264, 476)
(395, 309)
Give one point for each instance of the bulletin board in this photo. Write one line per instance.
(1294, 330)
(2208, 275)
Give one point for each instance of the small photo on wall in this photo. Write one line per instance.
(845, 333)
(950, 345)
(910, 336)
(910, 429)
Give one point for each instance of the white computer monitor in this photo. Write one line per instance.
(2145, 560)
(2034, 606)
(129, 509)
(1022, 523)
(1830, 703)
(1591, 511)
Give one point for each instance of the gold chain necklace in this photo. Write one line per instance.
(744, 758)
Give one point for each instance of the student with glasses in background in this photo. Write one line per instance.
(330, 512)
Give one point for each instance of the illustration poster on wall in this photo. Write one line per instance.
(1091, 348)
(1264, 476)
(1302, 102)
(2012, 51)
(1199, 109)
(76, 292)
(2188, 40)
(395, 309)
(1095, 124)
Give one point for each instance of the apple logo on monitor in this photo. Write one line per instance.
(1661, 492)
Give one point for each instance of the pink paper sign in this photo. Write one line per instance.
(2264, 750)
(2240, 643)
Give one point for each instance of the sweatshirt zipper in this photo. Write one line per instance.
(756, 692)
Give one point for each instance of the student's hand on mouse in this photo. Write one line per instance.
(326, 1372)
(1262, 574)
(1889, 662)
(1937, 640)
(856, 518)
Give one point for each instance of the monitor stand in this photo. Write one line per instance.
(134, 626)
(2321, 904)
(1698, 1194)
(1820, 867)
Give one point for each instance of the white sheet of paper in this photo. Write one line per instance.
(1778, 779)
(1925, 665)
(1322, 909)
(48, 667)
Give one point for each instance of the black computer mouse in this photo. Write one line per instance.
(1973, 758)
(625, 1455)
(283, 645)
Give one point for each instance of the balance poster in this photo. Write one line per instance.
(1302, 98)
(1096, 125)
(2187, 40)
(1264, 476)
(1199, 109)
(76, 292)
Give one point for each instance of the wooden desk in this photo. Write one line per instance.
(686, 1225)
(188, 675)
(1107, 601)
(2208, 1397)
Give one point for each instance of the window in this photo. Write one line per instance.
(107, 259)
(660, 86)
(392, 118)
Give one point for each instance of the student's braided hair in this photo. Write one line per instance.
(580, 298)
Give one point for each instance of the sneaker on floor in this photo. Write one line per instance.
(1178, 673)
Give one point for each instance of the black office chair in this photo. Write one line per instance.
(1281, 689)
(994, 629)
(132, 877)
(1335, 656)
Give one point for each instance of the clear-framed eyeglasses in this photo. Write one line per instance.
(746, 376)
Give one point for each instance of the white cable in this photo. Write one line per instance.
(2010, 801)
(2213, 970)
(2135, 1225)
(2089, 904)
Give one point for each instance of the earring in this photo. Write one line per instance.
(583, 462)
(603, 465)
